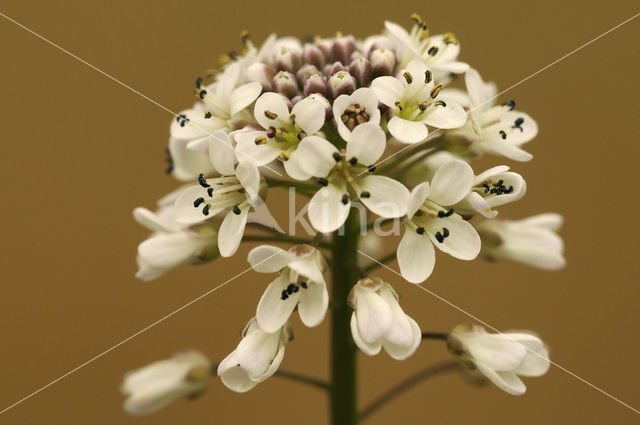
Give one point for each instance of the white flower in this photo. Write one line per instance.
(531, 241)
(354, 109)
(493, 129)
(329, 207)
(496, 186)
(300, 285)
(282, 132)
(439, 52)
(172, 244)
(256, 358)
(237, 194)
(429, 223)
(152, 387)
(415, 103)
(379, 321)
(502, 358)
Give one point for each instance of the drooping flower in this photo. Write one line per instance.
(492, 129)
(415, 102)
(439, 52)
(300, 285)
(378, 320)
(502, 358)
(340, 171)
(431, 221)
(531, 241)
(152, 387)
(496, 186)
(237, 194)
(256, 358)
(283, 131)
(172, 244)
(351, 110)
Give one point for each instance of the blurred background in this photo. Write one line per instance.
(80, 152)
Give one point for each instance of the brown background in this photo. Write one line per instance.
(80, 152)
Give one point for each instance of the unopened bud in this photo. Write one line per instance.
(312, 54)
(360, 68)
(261, 73)
(285, 84)
(331, 69)
(383, 61)
(342, 48)
(315, 84)
(288, 59)
(341, 83)
(306, 71)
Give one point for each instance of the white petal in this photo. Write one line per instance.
(222, 153)
(551, 221)
(309, 267)
(366, 144)
(315, 155)
(273, 103)
(535, 364)
(388, 89)
(244, 96)
(506, 381)
(295, 168)
(273, 368)
(187, 163)
(233, 376)
(529, 127)
(416, 256)
(402, 351)
(418, 195)
(313, 303)
(171, 250)
(273, 312)
(406, 131)
(326, 210)
(479, 91)
(373, 315)
(247, 150)
(153, 222)
(231, 231)
(503, 149)
(463, 241)
(498, 352)
(369, 348)
(451, 183)
(269, 258)
(184, 210)
(450, 116)
(387, 197)
(256, 351)
(249, 177)
(309, 115)
(479, 204)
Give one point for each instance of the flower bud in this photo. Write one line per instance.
(312, 54)
(288, 59)
(306, 71)
(285, 84)
(342, 48)
(262, 73)
(383, 61)
(341, 83)
(315, 84)
(331, 69)
(360, 68)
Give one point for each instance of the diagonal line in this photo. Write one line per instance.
(114, 79)
(91, 360)
(577, 49)
(496, 330)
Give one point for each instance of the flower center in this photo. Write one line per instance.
(354, 115)
(222, 192)
(489, 188)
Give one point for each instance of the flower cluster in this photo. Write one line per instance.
(388, 124)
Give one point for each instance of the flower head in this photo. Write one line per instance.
(492, 188)
(378, 320)
(152, 387)
(502, 358)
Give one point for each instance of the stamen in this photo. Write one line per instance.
(428, 76)
(199, 82)
(292, 119)
(284, 295)
(261, 140)
(197, 202)
(433, 50)
(236, 210)
(365, 194)
(407, 76)
(284, 156)
(518, 124)
(445, 232)
(301, 134)
(270, 115)
(210, 192)
(440, 103)
(439, 237)
(399, 104)
(202, 93)
(511, 104)
(353, 161)
(345, 199)
(244, 36)
(207, 114)
(323, 182)
(202, 181)
(303, 284)
(205, 210)
(503, 134)
(435, 91)
(449, 38)
(420, 230)
(337, 157)
(371, 168)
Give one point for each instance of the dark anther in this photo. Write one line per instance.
(365, 194)
(198, 82)
(233, 55)
(284, 295)
(440, 214)
(169, 160)
(487, 188)
(296, 288)
(371, 168)
(198, 202)
(323, 182)
(440, 103)
(236, 210)
(205, 210)
(303, 284)
(420, 230)
(511, 104)
(435, 91)
(428, 76)
(439, 237)
(499, 183)
(345, 199)
(445, 232)
(202, 93)
(353, 161)
(508, 190)
(202, 181)
(270, 115)
(449, 213)
(518, 124)
(432, 51)
(207, 115)
(182, 120)
(210, 192)
(336, 157)
(291, 288)
(503, 134)
(408, 77)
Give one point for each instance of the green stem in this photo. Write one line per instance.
(407, 153)
(343, 397)
(307, 189)
(292, 376)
